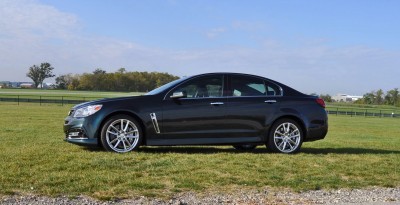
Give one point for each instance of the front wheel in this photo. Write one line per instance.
(286, 136)
(121, 133)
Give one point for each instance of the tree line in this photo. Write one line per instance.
(378, 97)
(121, 80)
(100, 80)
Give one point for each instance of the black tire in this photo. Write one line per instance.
(286, 136)
(121, 133)
(245, 147)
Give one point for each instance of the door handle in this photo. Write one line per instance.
(216, 103)
(270, 101)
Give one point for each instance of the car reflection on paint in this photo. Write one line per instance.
(208, 109)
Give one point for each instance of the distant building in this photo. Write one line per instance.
(346, 98)
(47, 86)
(26, 85)
(5, 84)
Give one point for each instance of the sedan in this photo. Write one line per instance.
(209, 109)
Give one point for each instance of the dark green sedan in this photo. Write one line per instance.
(209, 109)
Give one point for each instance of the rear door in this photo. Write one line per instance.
(252, 101)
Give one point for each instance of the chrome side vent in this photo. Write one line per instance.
(155, 122)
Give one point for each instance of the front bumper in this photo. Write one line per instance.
(82, 141)
(76, 132)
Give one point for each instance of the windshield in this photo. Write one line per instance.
(165, 87)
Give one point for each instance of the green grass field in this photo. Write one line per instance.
(358, 152)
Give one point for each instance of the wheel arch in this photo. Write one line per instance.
(122, 112)
(292, 117)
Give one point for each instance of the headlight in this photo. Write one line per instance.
(88, 110)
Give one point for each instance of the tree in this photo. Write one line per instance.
(326, 98)
(99, 71)
(379, 97)
(64, 81)
(38, 74)
(369, 98)
(61, 82)
(121, 70)
(392, 97)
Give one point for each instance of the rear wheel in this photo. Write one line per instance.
(245, 147)
(286, 136)
(121, 133)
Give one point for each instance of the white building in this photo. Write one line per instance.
(346, 98)
(26, 85)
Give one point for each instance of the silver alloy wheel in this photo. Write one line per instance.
(287, 137)
(122, 135)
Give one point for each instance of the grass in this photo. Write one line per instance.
(358, 152)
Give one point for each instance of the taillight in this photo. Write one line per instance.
(320, 102)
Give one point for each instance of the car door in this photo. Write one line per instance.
(198, 116)
(251, 103)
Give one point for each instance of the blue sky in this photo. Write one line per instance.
(314, 46)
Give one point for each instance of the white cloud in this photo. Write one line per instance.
(28, 19)
(215, 32)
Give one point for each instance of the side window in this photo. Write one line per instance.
(272, 89)
(247, 86)
(210, 86)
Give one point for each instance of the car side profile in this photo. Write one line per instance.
(208, 109)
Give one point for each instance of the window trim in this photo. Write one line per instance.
(265, 81)
(167, 96)
(279, 87)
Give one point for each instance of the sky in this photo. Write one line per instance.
(314, 46)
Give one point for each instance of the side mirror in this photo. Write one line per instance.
(177, 95)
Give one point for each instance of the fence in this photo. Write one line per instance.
(68, 100)
(363, 112)
(61, 100)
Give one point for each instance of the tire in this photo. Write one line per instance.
(285, 136)
(245, 147)
(121, 133)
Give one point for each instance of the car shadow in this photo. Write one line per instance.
(197, 150)
(93, 148)
(260, 150)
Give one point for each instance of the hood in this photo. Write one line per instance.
(105, 100)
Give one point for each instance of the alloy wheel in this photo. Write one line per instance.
(287, 137)
(122, 135)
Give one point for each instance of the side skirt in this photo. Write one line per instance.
(203, 141)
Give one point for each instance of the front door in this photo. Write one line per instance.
(199, 116)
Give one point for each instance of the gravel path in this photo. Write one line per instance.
(371, 196)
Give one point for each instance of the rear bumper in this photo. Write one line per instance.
(317, 131)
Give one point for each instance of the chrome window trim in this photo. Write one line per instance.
(258, 96)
